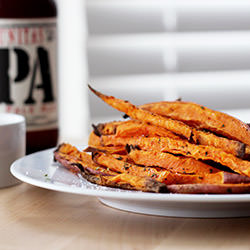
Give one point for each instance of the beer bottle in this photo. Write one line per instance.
(28, 67)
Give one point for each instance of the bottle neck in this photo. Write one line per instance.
(27, 8)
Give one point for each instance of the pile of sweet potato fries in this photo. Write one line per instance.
(176, 147)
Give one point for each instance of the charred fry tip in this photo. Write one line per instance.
(156, 187)
(135, 147)
(97, 128)
(90, 87)
(54, 156)
(241, 150)
(99, 94)
(94, 155)
(192, 137)
(58, 147)
(94, 150)
(125, 116)
(179, 99)
(57, 150)
(81, 168)
(128, 148)
(89, 149)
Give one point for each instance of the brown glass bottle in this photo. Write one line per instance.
(28, 34)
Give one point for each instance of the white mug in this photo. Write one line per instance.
(12, 145)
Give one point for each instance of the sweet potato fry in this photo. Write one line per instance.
(145, 116)
(132, 182)
(210, 188)
(175, 164)
(107, 128)
(76, 161)
(111, 150)
(165, 176)
(103, 176)
(202, 117)
(199, 152)
(162, 176)
(230, 146)
(133, 128)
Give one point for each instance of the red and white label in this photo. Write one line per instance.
(28, 74)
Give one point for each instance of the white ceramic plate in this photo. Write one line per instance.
(39, 170)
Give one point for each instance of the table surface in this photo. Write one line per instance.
(36, 218)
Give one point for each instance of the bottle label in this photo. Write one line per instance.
(28, 70)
